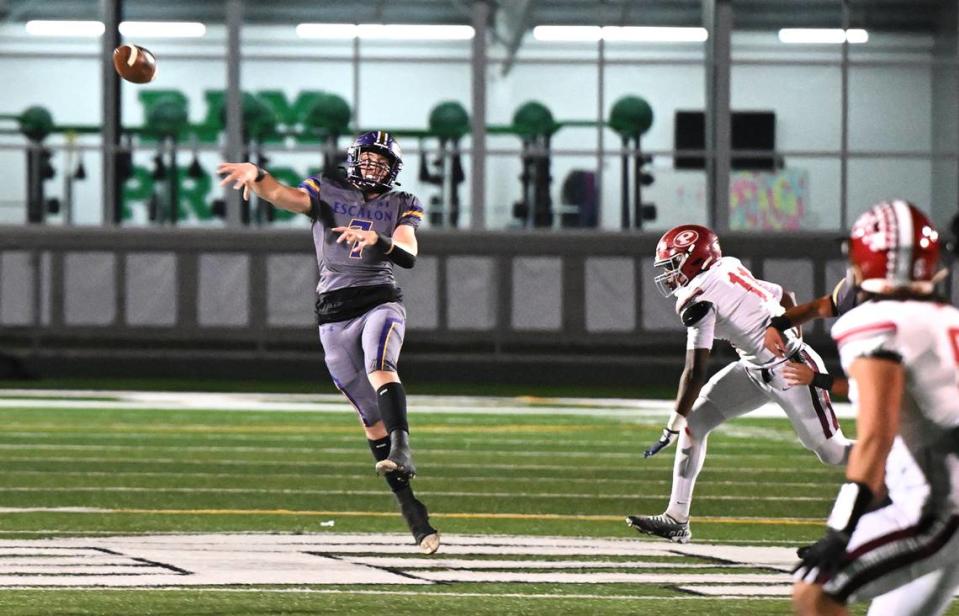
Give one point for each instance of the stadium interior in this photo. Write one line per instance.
(161, 377)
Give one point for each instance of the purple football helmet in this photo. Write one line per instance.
(380, 142)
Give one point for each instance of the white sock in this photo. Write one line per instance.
(690, 455)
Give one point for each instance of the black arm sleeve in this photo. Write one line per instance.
(395, 253)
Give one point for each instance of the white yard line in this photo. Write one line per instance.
(456, 405)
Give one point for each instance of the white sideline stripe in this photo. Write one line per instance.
(59, 533)
(814, 468)
(440, 493)
(401, 593)
(473, 453)
(423, 435)
(456, 405)
(457, 478)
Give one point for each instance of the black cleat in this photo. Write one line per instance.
(418, 520)
(661, 526)
(400, 460)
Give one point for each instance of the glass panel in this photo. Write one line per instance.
(58, 80)
(876, 179)
(890, 108)
(786, 100)
(401, 86)
(670, 78)
(306, 86)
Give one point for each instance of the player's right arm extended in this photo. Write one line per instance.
(249, 177)
(690, 384)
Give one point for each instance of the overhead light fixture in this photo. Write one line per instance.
(403, 32)
(132, 29)
(655, 35)
(415, 32)
(162, 29)
(568, 33)
(43, 27)
(326, 31)
(823, 36)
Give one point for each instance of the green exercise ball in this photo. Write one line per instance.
(449, 120)
(533, 118)
(167, 116)
(330, 113)
(630, 116)
(36, 123)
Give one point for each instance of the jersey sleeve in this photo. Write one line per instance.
(312, 186)
(702, 334)
(411, 212)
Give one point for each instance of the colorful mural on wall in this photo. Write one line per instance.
(771, 201)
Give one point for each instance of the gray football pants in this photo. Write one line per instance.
(362, 345)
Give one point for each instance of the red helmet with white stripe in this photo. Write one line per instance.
(894, 247)
(683, 252)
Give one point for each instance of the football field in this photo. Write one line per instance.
(186, 503)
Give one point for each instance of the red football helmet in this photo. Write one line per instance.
(683, 252)
(894, 246)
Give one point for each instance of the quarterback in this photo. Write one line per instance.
(361, 227)
(900, 348)
(718, 297)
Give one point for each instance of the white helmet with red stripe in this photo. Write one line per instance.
(894, 247)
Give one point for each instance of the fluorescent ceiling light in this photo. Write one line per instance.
(655, 35)
(407, 32)
(822, 36)
(41, 27)
(326, 31)
(133, 29)
(415, 32)
(162, 29)
(567, 33)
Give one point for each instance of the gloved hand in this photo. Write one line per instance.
(664, 441)
(825, 555)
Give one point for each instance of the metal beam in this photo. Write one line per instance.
(112, 15)
(234, 107)
(481, 10)
(718, 20)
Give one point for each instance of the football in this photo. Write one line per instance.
(134, 63)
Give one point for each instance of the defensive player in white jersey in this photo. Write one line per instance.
(900, 349)
(717, 297)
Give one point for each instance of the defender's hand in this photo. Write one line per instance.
(242, 175)
(663, 442)
(796, 373)
(774, 343)
(823, 557)
(358, 238)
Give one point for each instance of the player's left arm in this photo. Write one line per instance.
(880, 381)
(690, 384)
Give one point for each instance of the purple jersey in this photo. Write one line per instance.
(339, 204)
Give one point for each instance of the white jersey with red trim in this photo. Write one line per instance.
(924, 337)
(740, 311)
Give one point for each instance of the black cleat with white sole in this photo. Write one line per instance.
(661, 526)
